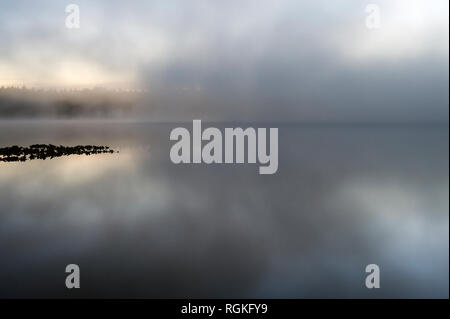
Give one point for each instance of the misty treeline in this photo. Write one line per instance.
(53, 103)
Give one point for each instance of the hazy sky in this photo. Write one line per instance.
(312, 59)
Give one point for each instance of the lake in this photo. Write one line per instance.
(344, 196)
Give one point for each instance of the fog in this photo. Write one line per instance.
(363, 171)
(257, 60)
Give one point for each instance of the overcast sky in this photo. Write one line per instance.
(302, 60)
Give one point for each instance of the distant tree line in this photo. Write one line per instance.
(22, 102)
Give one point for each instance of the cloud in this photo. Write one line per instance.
(291, 60)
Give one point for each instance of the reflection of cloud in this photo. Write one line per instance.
(67, 172)
(405, 225)
(65, 177)
(345, 197)
(71, 172)
(397, 207)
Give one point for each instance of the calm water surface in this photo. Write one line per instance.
(140, 226)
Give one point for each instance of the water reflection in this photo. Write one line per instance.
(140, 226)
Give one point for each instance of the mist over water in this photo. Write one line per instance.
(137, 225)
(365, 182)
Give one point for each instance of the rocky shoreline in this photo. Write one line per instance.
(44, 151)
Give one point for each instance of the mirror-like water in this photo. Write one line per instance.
(140, 226)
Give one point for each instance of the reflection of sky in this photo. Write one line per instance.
(141, 226)
(303, 60)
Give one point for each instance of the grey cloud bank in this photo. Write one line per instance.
(252, 60)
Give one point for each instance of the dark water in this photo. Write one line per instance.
(140, 226)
